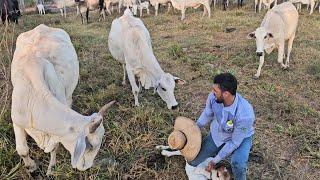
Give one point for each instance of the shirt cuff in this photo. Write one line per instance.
(216, 159)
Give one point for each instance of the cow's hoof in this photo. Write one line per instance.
(31, 168)
(255, 77)
(285, 67)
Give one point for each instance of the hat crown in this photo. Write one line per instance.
(177, 140)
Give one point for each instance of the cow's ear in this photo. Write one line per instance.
(179, 81)
(270, 35)
(79, 150)
(251, 35)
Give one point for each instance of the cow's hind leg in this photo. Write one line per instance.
(280, 54)
(135, 88)
(290, 42)
(22, 147)
(124, 74)
(53, 160)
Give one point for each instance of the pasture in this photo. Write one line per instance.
(286, 103)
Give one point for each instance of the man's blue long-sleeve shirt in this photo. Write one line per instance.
(228, 125)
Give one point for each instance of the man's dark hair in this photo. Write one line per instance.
(227, 82)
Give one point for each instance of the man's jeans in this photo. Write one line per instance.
(239, 157)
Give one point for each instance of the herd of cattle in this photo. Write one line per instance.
(45, 72)
(10, 8)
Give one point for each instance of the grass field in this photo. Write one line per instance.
(286, 103)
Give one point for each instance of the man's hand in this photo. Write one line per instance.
(210, 166)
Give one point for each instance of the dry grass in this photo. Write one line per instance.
(287, 103)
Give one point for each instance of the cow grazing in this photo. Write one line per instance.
(130, 43)
(9, 10)
(182, 5)
(44, 74)
(279, 25)
(199, 172)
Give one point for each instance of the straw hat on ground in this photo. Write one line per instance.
(186, 137)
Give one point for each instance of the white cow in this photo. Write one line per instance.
(199, 172)
(267, 4)
(156, 3)
(182, 5)
(310, 4)
(40, 8)
(279, 25)
(129, 42)
(44, 74)
(141, 6)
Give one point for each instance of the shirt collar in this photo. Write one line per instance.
(233, 107)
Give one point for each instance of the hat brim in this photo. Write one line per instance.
(193, 136)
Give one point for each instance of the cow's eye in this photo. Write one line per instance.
(265, 37)
(163, 89)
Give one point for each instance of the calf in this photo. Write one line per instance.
(130, 43)
(199, 172)
(279, 25)
(44, 74)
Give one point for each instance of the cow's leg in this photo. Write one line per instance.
(141, 11)
(311, 7)
(170, 153)
(208, 10)
(260, 3)
(44, 11)
(87, 15)
(255, 5)
(290, 42)
(224, 5)
(162, 147)
(280, 54)
(148, 11)
(124, 74)
(82, 20)
(204, 11)
(108, 8)
(53, 160)
(214, 3)
(65, 11)
(156, 7)
(78, 11)
(135, 88)
(261, 61)
(119, 7)
(183, 12)
(22, 147)
(169, 7)
(61, 11)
